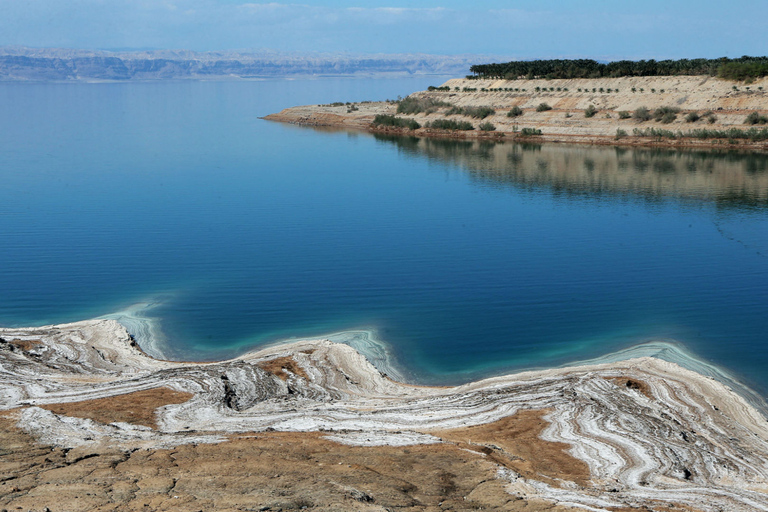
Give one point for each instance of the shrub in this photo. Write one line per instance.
(454, 111)
(755, 118)
(527, 132)
(620, 133)
(515, 112)
(487, 127)
(668, 117)
(397, 122)
(450, 124)
(433, 88)
(478, 112)
(642, 114)
(590, 111)
(543, 107)
(623, 114)
(634, 89)
(665, 114)
(709, 116)
(692, 117)
(413, 105)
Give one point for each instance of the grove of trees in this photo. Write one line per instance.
(741, 68)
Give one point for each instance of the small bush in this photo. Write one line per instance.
(397, 122)
(692, 117)
(665, 114)
(755, 118)
(642, 114)
(668, 117)
(620, 133)
(709, 116)
(527, 132)
(450, 124)
(412, 105)
(487, 127)
(478, 112)
(623, 114)
(590, 111)
(515, 112)
(543, 107)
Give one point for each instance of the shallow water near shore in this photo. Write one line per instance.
(464, 259)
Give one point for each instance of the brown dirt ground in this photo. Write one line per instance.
(283, 471)
(279, 365)
(638, 385)
(514, 442)
(137, 407)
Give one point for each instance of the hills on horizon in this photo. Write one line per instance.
(19, 63)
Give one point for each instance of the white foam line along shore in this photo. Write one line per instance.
(673, 435)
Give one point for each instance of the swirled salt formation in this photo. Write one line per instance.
(641, 432)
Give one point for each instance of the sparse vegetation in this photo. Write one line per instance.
(692, 117)
(476, 112)
(756, 118)
(450, 124)
(642, 114)
(527, 132)
(414, 105)
(397, 122)
(543, 107)
(515, 112)
(433, 88)
(709, 116)
(620, 133)
(487, 127)
(590, 111)
(623, 114)
(665, 114)
(732, 134)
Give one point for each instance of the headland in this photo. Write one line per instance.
(669, 111)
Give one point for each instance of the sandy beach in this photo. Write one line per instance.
(86, 414)
(729, 103)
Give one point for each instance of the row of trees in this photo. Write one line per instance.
(736, 69)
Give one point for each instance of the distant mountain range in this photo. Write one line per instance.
(56, 64)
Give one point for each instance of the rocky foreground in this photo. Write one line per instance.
(701, 103)
(89, 422)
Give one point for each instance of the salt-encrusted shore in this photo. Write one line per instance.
(641, 432)
(729, 103)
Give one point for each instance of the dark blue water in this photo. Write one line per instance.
(469, 259)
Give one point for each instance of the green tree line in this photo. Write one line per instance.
(735, 69)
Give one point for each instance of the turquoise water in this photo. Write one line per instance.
(467, 259)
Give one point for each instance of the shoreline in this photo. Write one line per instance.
(647, 430)
(564, 120)
(145, 331)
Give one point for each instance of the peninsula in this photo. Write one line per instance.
(677, 111)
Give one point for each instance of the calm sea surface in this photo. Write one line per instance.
(468, 259)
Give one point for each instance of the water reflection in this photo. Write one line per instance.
(730, 179)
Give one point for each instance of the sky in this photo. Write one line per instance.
(597, 29)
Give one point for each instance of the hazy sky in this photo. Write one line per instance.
(523, 29)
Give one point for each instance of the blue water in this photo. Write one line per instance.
(468, 259)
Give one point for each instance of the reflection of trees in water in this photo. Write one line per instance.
(727, 177)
